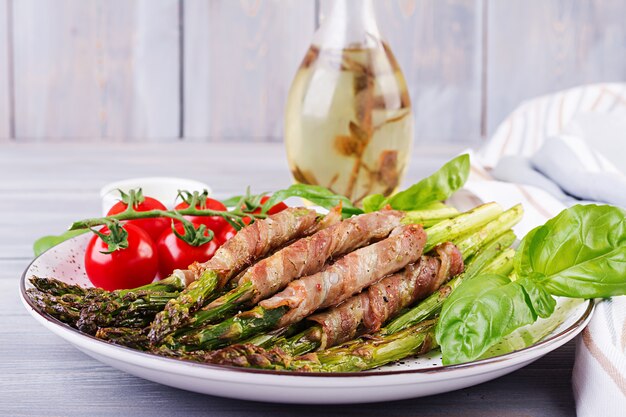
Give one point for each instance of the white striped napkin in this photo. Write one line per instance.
(594, 112)
(583, 117)
(599, 377)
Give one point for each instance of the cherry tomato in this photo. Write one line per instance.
(276, 208)
(175, 253)
(126, 268)
(230, 231)
(154, 227)
(215, 223)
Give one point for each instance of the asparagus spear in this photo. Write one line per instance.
(267, 340)
(133, 337)
(57, 305)
(259, 319)
(350, 357)
(372, 353)
(474, 240)
(135, 309)
(90, 308)
(430, 217)
(53, 286)
(303, 342)
(240, 327)
(451, 229)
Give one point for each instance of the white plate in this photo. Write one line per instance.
(407, 379)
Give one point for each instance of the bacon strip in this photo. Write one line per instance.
(349, 275)
(257, 240)
(369, 310)
(309, 255)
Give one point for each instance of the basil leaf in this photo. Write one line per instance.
(44, 243)
(437, 187)
(373, 202)
(531, 334)
(316, 194)
(521, 264)
(485, 309)
(540, 300)
(581, 253)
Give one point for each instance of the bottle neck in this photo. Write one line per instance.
(347, 23)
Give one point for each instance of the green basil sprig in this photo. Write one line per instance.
(437, 187)
(316, 194)
(581, 253)
(46, 242)
(484, 310)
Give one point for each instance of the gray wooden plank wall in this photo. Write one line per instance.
(220, 70)
(539, 46)
(96, 69)
(5, 113)
(240, 57)
(438, 44)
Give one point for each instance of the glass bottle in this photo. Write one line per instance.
(348, 122)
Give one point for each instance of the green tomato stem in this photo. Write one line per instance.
(233, 215)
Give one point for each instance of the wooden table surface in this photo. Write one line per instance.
(43, 187)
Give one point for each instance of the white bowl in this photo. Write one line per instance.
(164, 189)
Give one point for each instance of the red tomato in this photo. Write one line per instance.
(276, 208)
(154, 227)
(175, 253)
(215, 223)
(126, 268)
(230, 231)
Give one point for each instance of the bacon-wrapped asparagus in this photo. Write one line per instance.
(304, 257)
(261, 319)
(368, 311)
(481, 247)
(349, 275)
(337, 282)
(250, 244)
(363, 353)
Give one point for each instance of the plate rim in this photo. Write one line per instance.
(32, 308)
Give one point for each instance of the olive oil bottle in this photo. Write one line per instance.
(348, 122)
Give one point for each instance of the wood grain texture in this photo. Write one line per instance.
(5, 108)
(41, 375)
(439, 47)
(103, 69)
(240, 57)
(541, 46)
(115, 70)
